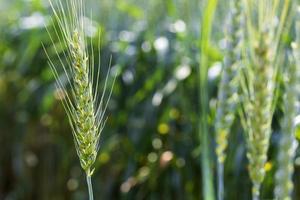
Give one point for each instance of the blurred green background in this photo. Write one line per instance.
(150, 145)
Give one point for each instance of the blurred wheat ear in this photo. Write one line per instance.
(288, 142)
(84, 105)
(265, 21)
(228, 87)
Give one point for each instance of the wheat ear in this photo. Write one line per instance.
(288, 142)
(228, 87)
(84, 105)
(259, 81)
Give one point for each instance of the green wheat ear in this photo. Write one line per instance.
(228, 87)
(259, 80)
(288, 142)
(84, 105)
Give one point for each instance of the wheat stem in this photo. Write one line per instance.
(220, 172)
(255, 191)
(90, 187)
(206, 168)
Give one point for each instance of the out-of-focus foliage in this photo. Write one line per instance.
(150, 145)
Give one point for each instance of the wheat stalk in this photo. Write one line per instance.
(84, 105)
(228, 87)
(260, 80)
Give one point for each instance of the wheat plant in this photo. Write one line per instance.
(228, 87)
(84, 105)
(265, 20)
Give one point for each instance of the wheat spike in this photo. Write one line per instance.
(288, 142)
(84, 105)
(259, 80)
(228, 87)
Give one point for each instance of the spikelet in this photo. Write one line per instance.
(84, 105)
(259, 82)
(288, 142)
(228, 86)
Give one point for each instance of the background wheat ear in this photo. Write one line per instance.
(259, 81)
(84, 105)
(228, 87)
(288, 142)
